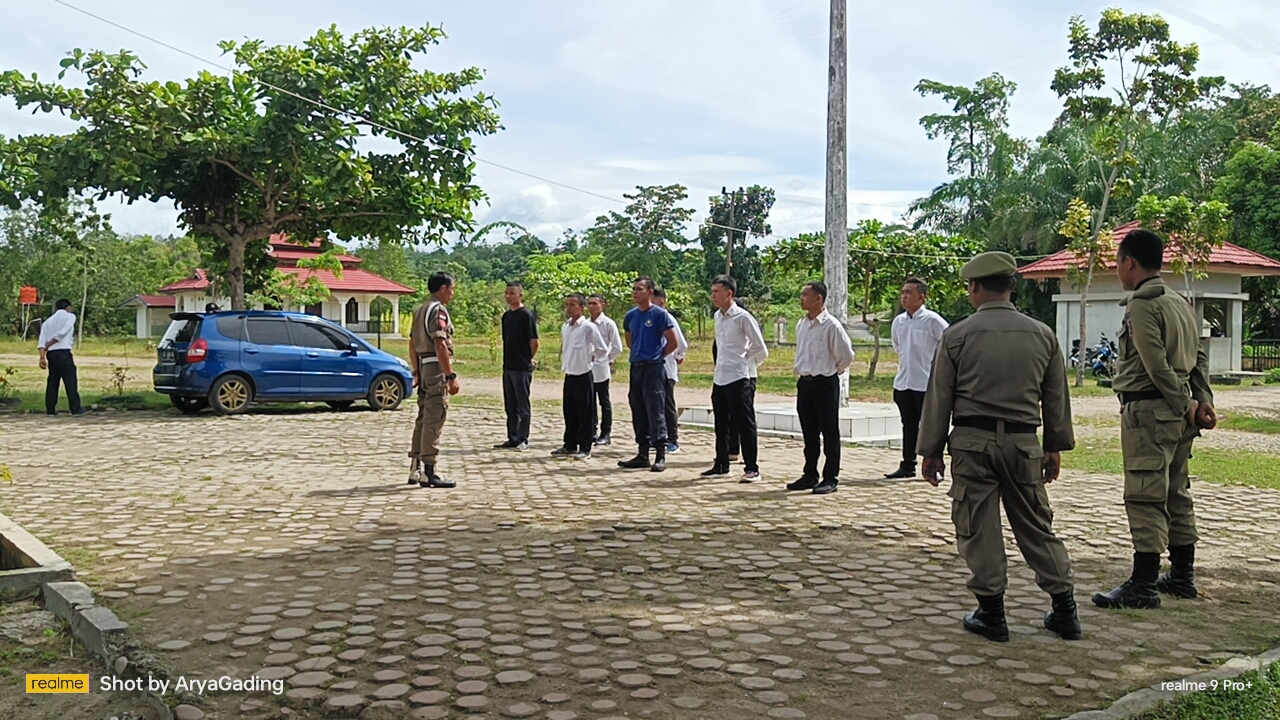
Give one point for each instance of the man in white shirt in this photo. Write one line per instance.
(916, 334)
(740, 348)
(580, 347)
(672, 366)
(823, 352)
(602, 370)
(56, 337)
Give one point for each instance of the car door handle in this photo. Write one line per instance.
(313, 354)
(251, 350)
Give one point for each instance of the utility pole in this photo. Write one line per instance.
(836, 257)
(728, 247)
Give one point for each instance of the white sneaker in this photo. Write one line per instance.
(521, 447)
(750, 477)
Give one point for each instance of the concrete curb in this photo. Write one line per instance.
(27, 563)
(1140, 701)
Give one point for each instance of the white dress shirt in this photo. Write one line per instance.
(739, 346)
(916, 338)
(822, 346)
(580, 346)
(612, 340)
(672, 362)
(60, 328)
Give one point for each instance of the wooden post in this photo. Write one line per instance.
(836, 272)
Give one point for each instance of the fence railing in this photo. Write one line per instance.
(1260, 356)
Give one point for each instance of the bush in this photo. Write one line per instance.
(1273, 375)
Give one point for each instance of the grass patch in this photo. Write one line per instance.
(1255, 697)
(1250, 423)
(1224, 467)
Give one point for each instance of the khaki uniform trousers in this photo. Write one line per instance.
(986, 469)
(1156, 444)
(433, 408)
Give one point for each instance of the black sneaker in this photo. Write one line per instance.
(826, 486)
(639, 462)
(602, 440)
(562, 450)
(508, 445)
(804, 483)
(82, 411)
(716, 471)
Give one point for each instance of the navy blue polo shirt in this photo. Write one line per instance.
(647, 329)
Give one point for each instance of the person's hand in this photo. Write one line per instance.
(454, 387)
(1191, 412)
(414, 382)
(1206, 418)
(44, 364)
(679, 361)
(534, 363)
(933, 470)
(1051, 466)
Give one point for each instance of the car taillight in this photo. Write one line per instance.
(197, 351)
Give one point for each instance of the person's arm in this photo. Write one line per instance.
(938, 402)
(895, 333)
(599, 350)
(841, 348)
(1055, 405)
(682, 345)
(757, 351)
(615, 344)
(414, 362)
(1202, 393)
(671, 343)
(61, 331)
(1149, 341)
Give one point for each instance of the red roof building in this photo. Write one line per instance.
(351, 298)
(1217, 298)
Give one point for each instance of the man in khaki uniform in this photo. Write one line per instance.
(996, 374)
(1162, 377)
(431, 355)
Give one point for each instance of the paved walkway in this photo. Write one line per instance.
(286, 544)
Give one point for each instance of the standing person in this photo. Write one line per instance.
(56, 337)
(671, 364)
(1162, 377)
(735, 443)
(997, 375)
(602, 370)
(519, 346)
(740, 348)
(916, 334)
(651, 336)
(823, 352)
(431, 355)
(580, 347)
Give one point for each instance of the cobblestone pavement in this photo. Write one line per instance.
(285, 544)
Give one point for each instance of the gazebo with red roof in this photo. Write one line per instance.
(1218, 298)
(349, 303)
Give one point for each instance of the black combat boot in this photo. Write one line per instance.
(659, 460)
(432, 480)
(988, 620)
(639, 462)
(1180, 581)
(1139, 591)
(904, 471)
(1062, 619)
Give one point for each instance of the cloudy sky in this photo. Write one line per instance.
(605, 96)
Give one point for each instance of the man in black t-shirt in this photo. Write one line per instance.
(519, 345)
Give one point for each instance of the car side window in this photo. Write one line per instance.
(315, 335)
(268, 331)
(231, 327)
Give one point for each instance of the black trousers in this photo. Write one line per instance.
(911, 407)
(605, 423)
(515, 399)
(672, 414)
(818, 405)
(734, 406)
(62, 369)
(578, 403)
(648, 399)
(735, 442)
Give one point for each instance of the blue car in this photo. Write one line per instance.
(228, 360)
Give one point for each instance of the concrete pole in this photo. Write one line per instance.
(836, 272)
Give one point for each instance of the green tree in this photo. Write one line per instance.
(640, 239)
(1194, 231)
(552, 277)
(284, 289)
(747, 212)
(276, 147)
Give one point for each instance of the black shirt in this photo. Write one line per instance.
(518, 328)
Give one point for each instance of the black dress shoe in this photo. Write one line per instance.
(715, 472)
(505, 445)
(563, 450)
(602, 440)
(639, 462)
(988, 620)
(903, 472)
(659, 462)
(826, 487)
(804, 483)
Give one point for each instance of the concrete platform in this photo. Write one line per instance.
(862, 423)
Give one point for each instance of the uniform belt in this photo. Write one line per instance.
(649, 362)
(430, 359)
(993, 425)
(817, 377)
(1128, 397)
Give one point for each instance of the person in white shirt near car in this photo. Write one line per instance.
(580, 347)
(740, 348)
(56, 337)
(916, 333)
(602, 370)
(672, 366)
(823, 353)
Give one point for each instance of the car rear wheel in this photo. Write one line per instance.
(386, 392)
(230, 395)
(339, 404)
(189, 405)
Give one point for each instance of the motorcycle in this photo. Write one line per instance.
(1100, 359)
